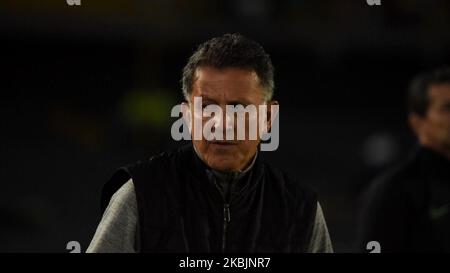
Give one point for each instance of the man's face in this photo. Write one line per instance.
(435, 126)
(230, 86)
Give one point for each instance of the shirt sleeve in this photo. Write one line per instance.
(117, 230)
(320, 239)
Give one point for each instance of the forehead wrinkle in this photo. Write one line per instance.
(209, 92)
(221, 85)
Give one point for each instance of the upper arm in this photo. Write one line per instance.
(117, 229)
(320, 239)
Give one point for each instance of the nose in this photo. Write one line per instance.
(225, 124)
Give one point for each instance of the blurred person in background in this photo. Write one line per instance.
(407, 209)
(213, 196)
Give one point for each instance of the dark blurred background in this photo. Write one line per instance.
(86, 89)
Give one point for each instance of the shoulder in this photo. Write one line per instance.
(142, 173)
(123, 202)
(125, 193)
(400, 186)
(396, 178)
(156, 160)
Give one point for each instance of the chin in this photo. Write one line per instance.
(223, 164)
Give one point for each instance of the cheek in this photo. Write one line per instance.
(248, 147)
(440, 123)
(439, 117)
(437, 128)
(200, 146)
(446, 120)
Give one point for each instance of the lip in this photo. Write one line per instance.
(223, 143)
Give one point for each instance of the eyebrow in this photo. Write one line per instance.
(207, 99)
(243, 103)
(234, 102)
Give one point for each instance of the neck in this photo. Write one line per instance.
(235, 174)
(226, 181)
(238, 173)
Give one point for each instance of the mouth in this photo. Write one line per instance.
(223, 143)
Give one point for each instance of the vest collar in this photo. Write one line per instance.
(241, 182)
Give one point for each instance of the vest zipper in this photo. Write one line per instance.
(226, 207)
(226, 220)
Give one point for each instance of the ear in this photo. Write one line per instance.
(186, 111)
(416, 123)
(271, 113)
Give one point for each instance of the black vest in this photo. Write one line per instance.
(400, 206)
(181, 210)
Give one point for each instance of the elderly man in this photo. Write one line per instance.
(214, 195)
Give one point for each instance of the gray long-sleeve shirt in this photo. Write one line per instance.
(117, 231)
